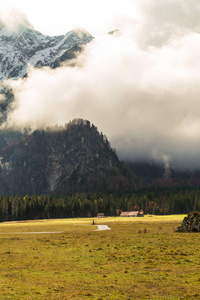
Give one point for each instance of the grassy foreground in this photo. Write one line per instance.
(139, 258)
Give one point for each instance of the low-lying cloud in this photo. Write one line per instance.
(11, 19)
(141, 88)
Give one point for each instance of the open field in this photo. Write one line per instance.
(139, 258)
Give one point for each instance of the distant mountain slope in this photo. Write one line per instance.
(152, 174)
(75, 158)
(28, 46)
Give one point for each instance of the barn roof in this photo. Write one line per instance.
(129, 213)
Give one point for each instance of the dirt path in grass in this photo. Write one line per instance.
(102, 227)
(99, 228)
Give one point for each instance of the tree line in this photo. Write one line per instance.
(152, 201)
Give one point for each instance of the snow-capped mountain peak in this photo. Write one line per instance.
(27, 46)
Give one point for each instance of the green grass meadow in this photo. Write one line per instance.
(139, 258)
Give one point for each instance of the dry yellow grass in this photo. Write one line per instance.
(139, 258)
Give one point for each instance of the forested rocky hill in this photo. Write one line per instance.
(70, 159)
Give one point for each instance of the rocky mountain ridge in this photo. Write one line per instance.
(27, 46)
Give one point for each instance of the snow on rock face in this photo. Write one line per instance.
(27, 46)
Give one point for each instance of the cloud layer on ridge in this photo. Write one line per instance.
(141, 88)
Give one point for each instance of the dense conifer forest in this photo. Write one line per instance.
(150, 200)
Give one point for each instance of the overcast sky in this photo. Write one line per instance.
(142, 89)
(58, 17)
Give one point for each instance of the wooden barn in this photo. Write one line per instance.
(132, 213)
(100, 215)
